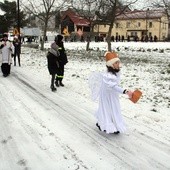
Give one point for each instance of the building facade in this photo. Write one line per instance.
(138, 25)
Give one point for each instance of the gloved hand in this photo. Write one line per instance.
(12, 55)
(129, 93)
(2, 46)
(10, 48)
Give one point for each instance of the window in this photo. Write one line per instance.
(150, 24)
(128, 25)
(164, 25)
(163, 36)
(139, 24)
(133, 34)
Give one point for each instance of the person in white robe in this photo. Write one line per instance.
(6, 52)
(108, 114)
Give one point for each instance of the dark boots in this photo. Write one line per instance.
(52, 83)
(53, 88)
(56, 83)
(59, 83)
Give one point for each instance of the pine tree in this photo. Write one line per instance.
(9, 18)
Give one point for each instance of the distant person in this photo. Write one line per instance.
(62, 60)
(17, 50)
(123, 38)
(155, 38)
(112, 38)
(128, 38)
(142, 38)
(146, 38)
(53, 64)
(136, 38)
(109, 118)
(6, 52)
(151, 38)
(117, 38)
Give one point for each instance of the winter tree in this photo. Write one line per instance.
(107, 12)
(9, 18)
(44, 10)
(164, 5)
(86, 9)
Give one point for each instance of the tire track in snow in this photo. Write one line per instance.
(47, 102)
(33, 133)
(105, 141)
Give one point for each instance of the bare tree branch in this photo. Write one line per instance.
(44, 10)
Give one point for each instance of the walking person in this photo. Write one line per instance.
(6, 52)
(108, 114)
(62, 60)
(17, 50)
(53, 64)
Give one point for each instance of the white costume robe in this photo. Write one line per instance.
(108, 115)
(6, 52)
(5, 56)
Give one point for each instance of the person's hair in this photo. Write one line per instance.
(5, 35)
(112, 70)
(58, 38)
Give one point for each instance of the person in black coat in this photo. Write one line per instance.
(17, 50)
(53, 65)
(62, 60)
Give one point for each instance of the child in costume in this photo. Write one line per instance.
(108, 114)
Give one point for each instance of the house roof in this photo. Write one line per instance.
(140, 14)
(77, 20)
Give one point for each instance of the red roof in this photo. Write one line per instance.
(140, 14)
(77, 20)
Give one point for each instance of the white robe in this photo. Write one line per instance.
(6, 51)
(108, 114)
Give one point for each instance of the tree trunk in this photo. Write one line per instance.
(44, 35)
(109, 37)
(88, 45)
(89, 37)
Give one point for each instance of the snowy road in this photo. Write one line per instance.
(47, 131)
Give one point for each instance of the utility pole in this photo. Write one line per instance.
(18, 24)
(18, 18)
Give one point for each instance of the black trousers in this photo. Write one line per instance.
(17, 55)
(60, 72)
(5, 68)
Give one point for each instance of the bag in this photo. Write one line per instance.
(136, 95)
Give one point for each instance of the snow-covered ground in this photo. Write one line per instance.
(44, 130)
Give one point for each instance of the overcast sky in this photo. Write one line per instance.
(139, 5)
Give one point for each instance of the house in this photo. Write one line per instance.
(71, 22)
(138, 25)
